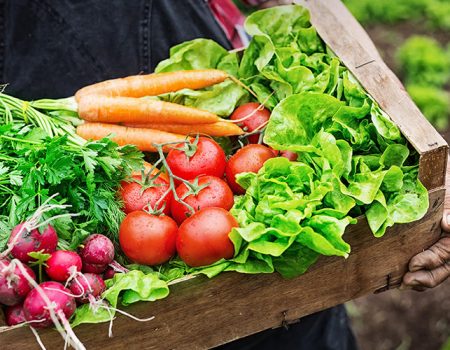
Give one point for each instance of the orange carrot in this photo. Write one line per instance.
(213, 129)
(146, 166)
(154, 84)
(141, 138)
(95, 108)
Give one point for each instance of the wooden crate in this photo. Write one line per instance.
(201, 313)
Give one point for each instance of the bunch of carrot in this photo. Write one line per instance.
(124, 108)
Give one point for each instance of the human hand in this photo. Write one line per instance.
(431, 267)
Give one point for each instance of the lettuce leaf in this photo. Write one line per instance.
(129, 288)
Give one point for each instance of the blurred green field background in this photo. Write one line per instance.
(413, 37)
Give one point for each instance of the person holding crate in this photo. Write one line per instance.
(62, 46)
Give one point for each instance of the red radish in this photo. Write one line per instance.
(14, 287)
(97, 253)
(14, 315)
(32, 241)
(109, 273)
(87, 284)
(35, 307)
(62, 264)
(112, 269)
(253, 116)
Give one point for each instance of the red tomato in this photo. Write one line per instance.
(134, 199)
(292, 156)
(248, 159)
(203, 238)
(216, 194)
(148, 239)
(260, 116)
(208, 159)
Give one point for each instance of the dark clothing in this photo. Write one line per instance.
(51, 48)
(325, 330)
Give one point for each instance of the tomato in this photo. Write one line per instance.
(260, 116)
(148, 239)
(136, 199)
(248, 159)
(208, 159)
(292, 156)
(217, 193)
(203, 238)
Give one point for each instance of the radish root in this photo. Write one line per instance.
(38, 338)
(33, 222)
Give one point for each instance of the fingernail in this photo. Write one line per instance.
(448, 220)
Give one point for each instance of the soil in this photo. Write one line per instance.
(403, 320)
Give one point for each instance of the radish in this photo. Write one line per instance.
(14, 315)
(14, 287)
(97, 253)
(25, 241)
(62, 264)
(36, 308)
(87, 284)
(109, 273)
(113, 268)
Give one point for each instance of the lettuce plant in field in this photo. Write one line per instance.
(433, 102)
(423, 61)
(433, 13)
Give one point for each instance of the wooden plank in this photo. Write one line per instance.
(345, 36)
(202, 313)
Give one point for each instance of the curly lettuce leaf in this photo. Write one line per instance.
(127, 288)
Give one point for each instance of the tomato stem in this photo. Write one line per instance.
(172, 178)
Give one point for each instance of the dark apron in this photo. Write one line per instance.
(51, 48)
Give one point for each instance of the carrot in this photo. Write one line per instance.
(154, 84)
(213, 129)
(146, 166)
(95, 108)
(141, 138)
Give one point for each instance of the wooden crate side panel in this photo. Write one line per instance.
(202, 313)
(345, 36)
(433, 167)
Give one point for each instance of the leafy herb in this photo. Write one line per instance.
(40, 155)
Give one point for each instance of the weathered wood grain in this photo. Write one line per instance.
(202, 313)
(345, 36)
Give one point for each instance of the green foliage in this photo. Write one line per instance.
(438, 14)
(386, 11)
(433, 102)
(85, 175)
(220, 99)
(423, 61)
(435, 13)
(426, 70)
(128, 288)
